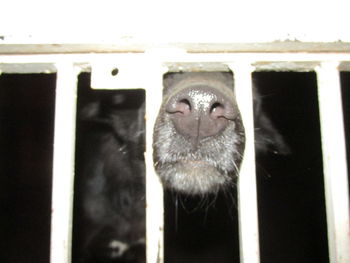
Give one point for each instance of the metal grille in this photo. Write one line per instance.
(150, 66)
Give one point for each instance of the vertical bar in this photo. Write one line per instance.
(334, 162)
(63, 163)
(153, 77)
(247, 195)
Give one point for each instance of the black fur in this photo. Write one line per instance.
(109, 223)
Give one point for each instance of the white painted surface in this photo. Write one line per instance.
(153, 79)
(156, 21)
(334, 162)
(273, 60)
(63, 163)
(129, 71)
(247, 193)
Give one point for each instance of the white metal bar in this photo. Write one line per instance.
(63, 163)
(247, 195)
(139, 47)
(129, 69)
(219, 57)
(21, 68)
(153, 79)
(334, 162)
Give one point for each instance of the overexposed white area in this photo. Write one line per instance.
(155, 21)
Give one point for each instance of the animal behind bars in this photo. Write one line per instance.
(199, 136)
(198, 147)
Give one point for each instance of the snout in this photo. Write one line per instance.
(198, 135)
(199, 112)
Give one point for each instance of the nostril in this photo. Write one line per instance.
(182, 106)
(217, 110)
(224, 110)
(199, 112)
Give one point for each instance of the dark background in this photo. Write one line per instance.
(290, 188)
(26, 145)
(345, 83)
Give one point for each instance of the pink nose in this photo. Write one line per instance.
(200, 111)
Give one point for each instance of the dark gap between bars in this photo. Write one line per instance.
(27, 103)
(345, 85)
(292, 216)
(109, 200)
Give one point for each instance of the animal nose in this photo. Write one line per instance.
(199, 112)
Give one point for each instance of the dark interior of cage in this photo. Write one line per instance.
(26, 145)
(291, 206)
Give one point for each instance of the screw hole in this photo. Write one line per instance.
(115, 72)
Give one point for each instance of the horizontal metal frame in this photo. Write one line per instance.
(175, 59)
(140, 47)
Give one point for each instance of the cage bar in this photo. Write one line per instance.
(140, 47)
(127, 72)
(274, 60)
(63, 163)
(247, 193)
(334, 162)
(153, 77)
